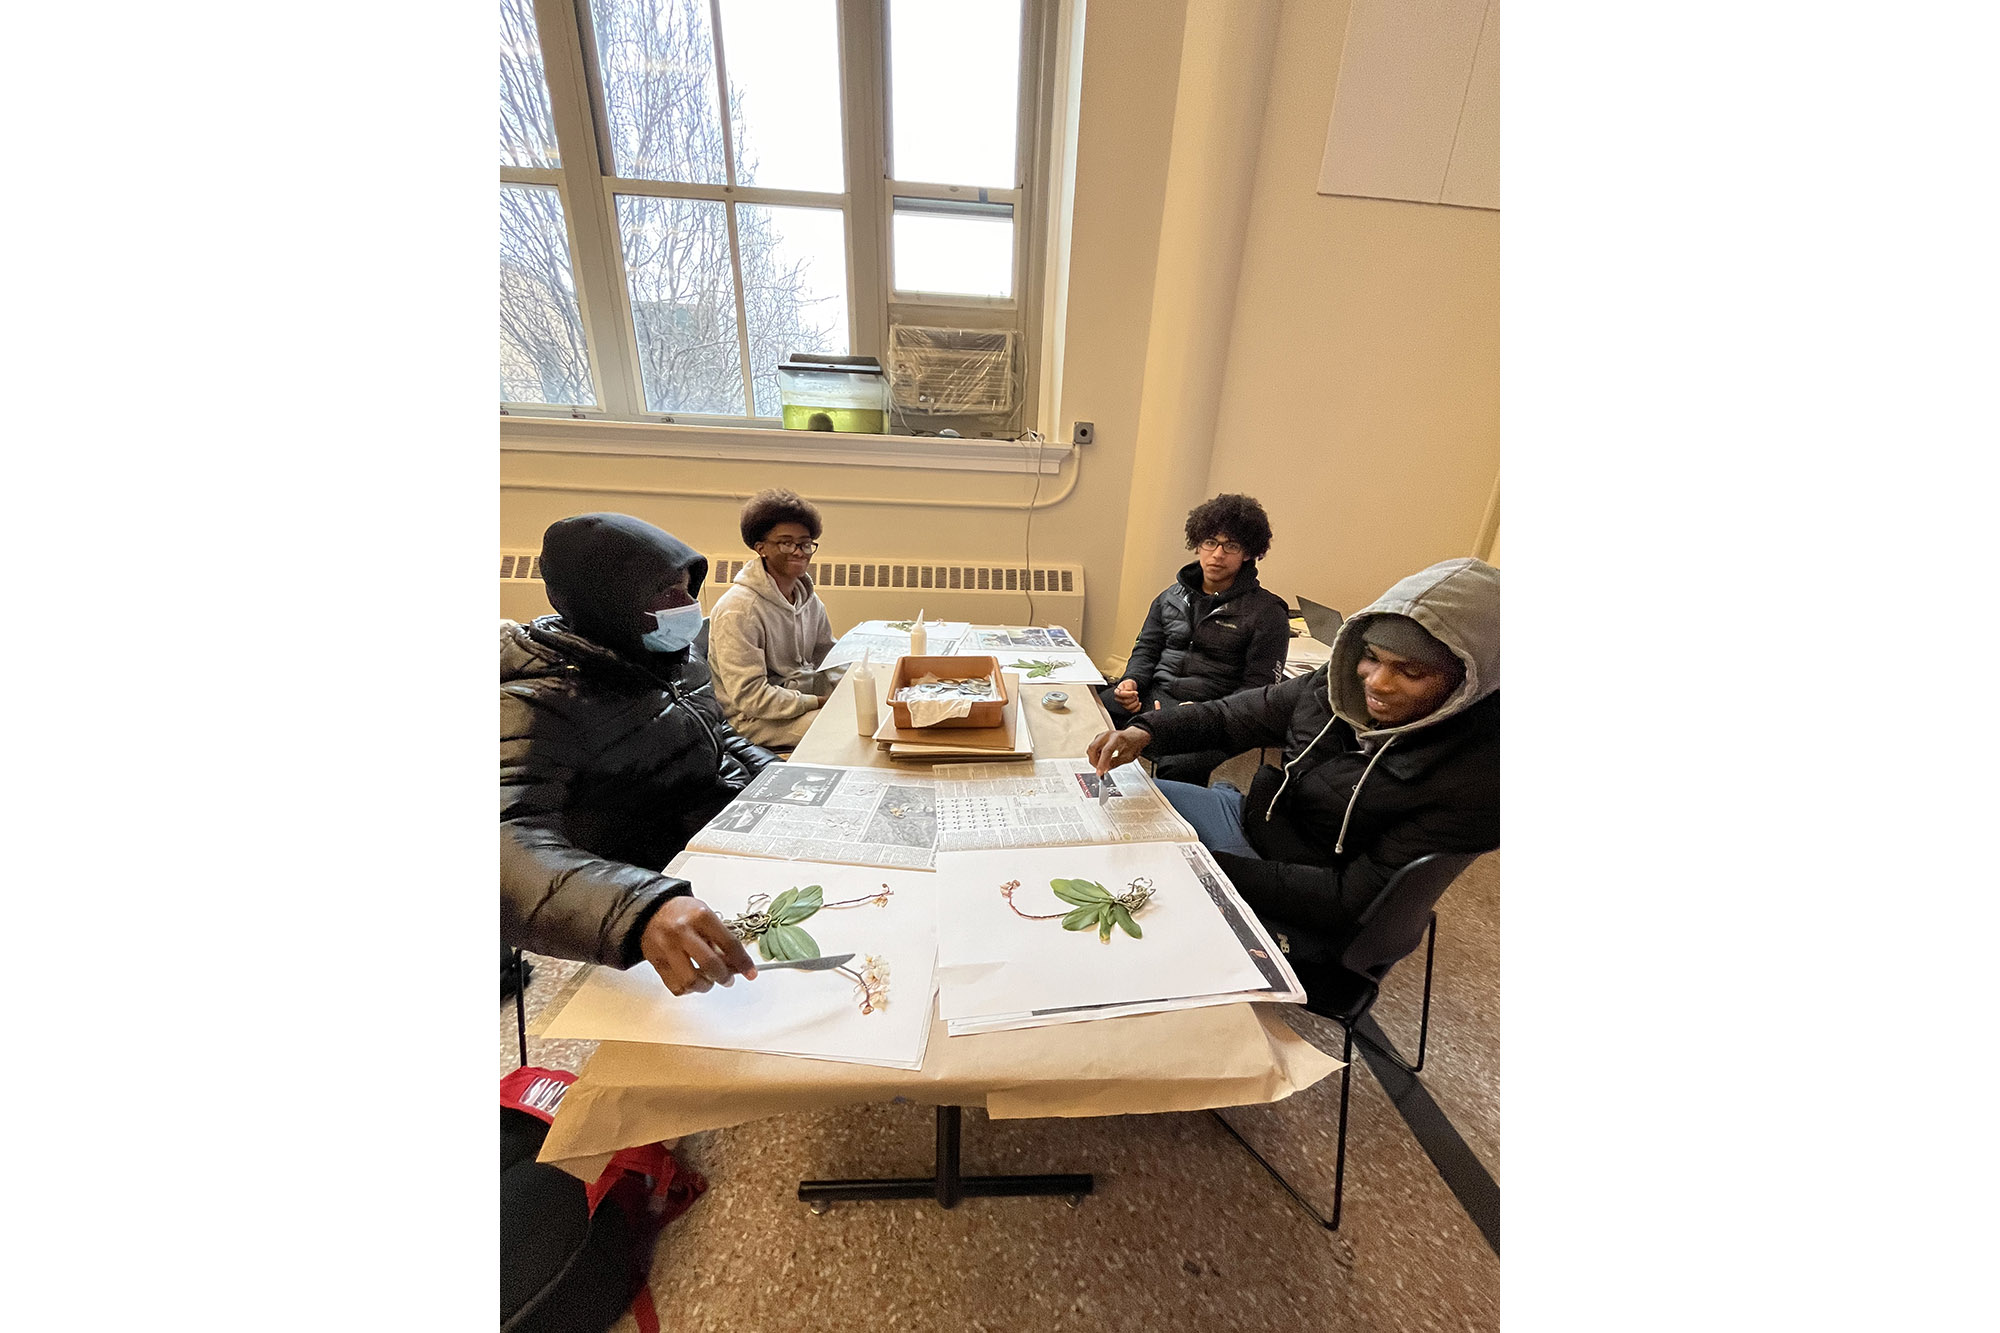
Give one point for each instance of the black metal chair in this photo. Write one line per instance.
(1344, 988)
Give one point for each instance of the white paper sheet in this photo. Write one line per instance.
(1049, 666)
(823, 812)
(884, 643)
(997, 969)
(812, 1014)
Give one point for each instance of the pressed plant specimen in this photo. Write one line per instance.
(1092, 905)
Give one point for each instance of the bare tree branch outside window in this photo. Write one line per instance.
(657, 59)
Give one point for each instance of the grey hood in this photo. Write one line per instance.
(1458, 601)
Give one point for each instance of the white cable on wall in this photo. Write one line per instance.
(908, 502)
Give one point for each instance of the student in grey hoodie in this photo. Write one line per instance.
(769, 631)
(1392, 752)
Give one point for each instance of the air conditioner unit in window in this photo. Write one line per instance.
(954, 372)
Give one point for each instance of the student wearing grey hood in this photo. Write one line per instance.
(609, 762)
(1391, 752)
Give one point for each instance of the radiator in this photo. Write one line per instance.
(859, 588)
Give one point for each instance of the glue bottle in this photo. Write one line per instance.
(919, 641)
(866, 716)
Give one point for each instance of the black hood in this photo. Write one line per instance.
(601, 570)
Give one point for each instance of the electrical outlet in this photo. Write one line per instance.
(1082, 432)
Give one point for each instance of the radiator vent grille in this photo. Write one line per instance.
(872, 574)
(900, 574)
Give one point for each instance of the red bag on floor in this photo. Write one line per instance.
(574, 1256)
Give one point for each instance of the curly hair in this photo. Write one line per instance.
(1238, 517)
(767, 509)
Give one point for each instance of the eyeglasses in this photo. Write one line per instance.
(787, 545)
(1210, 546)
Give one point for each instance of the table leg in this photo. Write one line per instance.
(946, 1185)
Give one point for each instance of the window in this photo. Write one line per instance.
(691, 190)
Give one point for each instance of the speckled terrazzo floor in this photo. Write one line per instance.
(1185, 1231)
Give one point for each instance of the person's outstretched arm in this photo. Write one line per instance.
(560, 899)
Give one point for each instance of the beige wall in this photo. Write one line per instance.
(1358, 383)
(1361, 402)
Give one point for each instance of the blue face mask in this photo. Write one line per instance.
(678, 627)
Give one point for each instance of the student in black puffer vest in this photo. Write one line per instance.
(1212, 633)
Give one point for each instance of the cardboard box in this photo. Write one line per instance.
(985, 712)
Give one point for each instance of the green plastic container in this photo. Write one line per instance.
(848, 394)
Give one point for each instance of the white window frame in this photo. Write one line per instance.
(587, 185)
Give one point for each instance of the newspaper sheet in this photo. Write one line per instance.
(1055, 804)
(886, 918)
(1049, 666)
(887, 640)
(850, 816)
(992, 638)
(1006, 961)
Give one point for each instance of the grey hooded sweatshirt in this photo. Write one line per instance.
(1355, 802)
(764, 652)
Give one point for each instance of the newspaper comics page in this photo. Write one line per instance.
(887, 640)
(1056, 804)
(850, 816)
(994, 638)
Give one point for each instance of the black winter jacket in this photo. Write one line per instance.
(606, 770)
(1434, 785)
(1238, 643)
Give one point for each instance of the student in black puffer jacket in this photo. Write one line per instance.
(1212, 633)
(1392, 752)
(608, 762)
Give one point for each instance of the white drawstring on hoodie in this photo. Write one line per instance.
(1340, 838)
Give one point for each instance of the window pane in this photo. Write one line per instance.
(784, 93)
(683, 303)
(958, 252)
(657, 62)
(794, 288)
(527, 129)
(955, 80)
(542, 353)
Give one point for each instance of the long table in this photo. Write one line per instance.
(631, 1093)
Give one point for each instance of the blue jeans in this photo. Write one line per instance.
(1216, 814)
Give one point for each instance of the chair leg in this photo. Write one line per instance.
(1340, 1142)
(1424, 1020)
(1340, 1149)
(1424, 1026)
(521, 1003)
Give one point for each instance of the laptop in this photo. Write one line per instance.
(1321, 621)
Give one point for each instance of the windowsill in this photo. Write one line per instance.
(568, 435)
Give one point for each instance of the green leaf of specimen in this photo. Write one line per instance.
(1125, 921)
(1036, 668)
(807, 901)
(1083, 918)
(1104, 926)
(1080, 892)
(785, 944)
(781, 902)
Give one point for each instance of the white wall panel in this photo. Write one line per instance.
(1407, 73)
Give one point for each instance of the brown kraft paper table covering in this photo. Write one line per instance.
(632, 1093)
